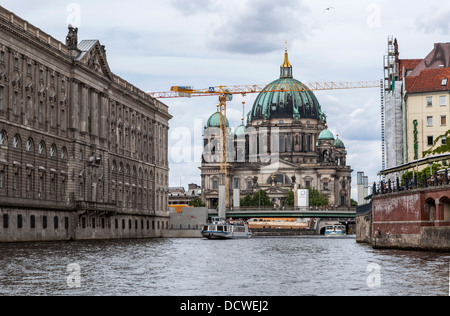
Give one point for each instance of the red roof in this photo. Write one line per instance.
(439, 56)
(409, 64)
(429, 80)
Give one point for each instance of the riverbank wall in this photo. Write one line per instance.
(413, 219)
(33, 224)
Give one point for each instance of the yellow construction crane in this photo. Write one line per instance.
(189, 92)
(226, 93)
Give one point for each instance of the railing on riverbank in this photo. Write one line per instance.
(438, 179)
(416, 181)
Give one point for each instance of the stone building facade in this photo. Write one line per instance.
(83, 153)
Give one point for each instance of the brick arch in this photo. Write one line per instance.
(429, 210)
(444, 208)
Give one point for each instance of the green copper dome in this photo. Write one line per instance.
(326, 135)
(240, 130)
(338, 143)
(286, 98)
(214, 121)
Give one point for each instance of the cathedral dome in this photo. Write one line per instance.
(214, 121)
(339, 144)
(326, 135)
(240, 130)
(286, 98)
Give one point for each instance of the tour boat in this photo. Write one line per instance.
(335, 230)
(223, 229)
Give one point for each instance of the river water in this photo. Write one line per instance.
(282, 266)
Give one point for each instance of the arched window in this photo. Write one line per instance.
(16, 142)
(53, 151)
(2, 138)
(41, 148)
(29, 145)
(63, 153)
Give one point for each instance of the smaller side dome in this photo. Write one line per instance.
(214, 121)
(338, 143)
(240, 130)
(326, 135)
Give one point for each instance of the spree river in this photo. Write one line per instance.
(282, 266)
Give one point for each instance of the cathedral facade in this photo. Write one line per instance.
(284, 145)
(83, 153)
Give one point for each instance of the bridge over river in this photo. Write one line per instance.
(288, 213)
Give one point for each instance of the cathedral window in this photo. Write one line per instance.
(2, 138)
(236, 183)
(215, 184)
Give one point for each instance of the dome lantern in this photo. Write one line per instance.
(286, 67)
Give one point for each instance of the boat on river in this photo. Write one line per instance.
(335, 230)
(220, 228)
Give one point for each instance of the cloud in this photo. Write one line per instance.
(189, 8)
(258, 26)
(437, 20)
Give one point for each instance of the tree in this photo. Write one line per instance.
(197, 202)
(258, 199)
(316, 198)
(290, 198)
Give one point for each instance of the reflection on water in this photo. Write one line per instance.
(254, 267)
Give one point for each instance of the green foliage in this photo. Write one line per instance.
(410, 174)
(258, 199)
(316, 198)
(440, 149)
(290, 199)
(197, 202)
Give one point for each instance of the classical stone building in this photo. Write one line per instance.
(286, 143)
(83, 153)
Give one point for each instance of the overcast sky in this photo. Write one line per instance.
(202, 43)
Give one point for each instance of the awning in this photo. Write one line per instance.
(413, 164)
